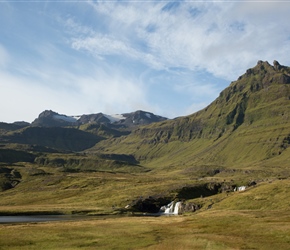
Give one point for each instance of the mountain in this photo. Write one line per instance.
(249, 123)
(53, 131)
(49, 118)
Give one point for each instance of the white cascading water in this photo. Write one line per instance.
(171, 208)
(176, 207)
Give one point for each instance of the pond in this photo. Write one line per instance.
(36, 218)
(11, 219)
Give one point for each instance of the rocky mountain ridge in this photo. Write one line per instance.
(73, 133)
(49, 118)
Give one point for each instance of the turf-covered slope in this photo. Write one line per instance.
(249, 123)
(58, 138)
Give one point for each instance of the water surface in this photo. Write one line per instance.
(35, 218)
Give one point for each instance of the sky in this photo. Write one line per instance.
(171, 58)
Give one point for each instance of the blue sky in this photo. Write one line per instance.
(169, 58)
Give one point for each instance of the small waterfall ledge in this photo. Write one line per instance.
(157, 206)
(172, 208)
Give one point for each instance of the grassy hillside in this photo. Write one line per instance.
(64, 139)
(247, 125)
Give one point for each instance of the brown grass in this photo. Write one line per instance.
(214, 229)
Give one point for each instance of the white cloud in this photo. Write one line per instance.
(112, 93)
(25, 99)
(66, 83)
(103, 45)
(70, 93)
(223, 38)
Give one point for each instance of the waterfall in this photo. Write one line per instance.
(176, 207)
(171, 208)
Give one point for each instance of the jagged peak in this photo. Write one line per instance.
(260, 62)
(261, 76)
(277, 65)
(261, 66)
(264, 64)
(264, 67)
(47, 113)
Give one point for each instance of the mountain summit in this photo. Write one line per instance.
(49, 118)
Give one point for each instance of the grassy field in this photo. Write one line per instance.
(215, 229)
(258, 218)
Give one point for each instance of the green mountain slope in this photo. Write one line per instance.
(64, 139)
(249, 123)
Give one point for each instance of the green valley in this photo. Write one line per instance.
(129, 168)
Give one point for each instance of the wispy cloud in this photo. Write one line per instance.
(222, 38)
(84, 94)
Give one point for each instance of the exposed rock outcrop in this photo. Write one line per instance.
(9, 178)
(149, 204)
(153, 204)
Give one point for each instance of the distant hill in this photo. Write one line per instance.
(4, 127)
(53, 131)
(63, 139)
